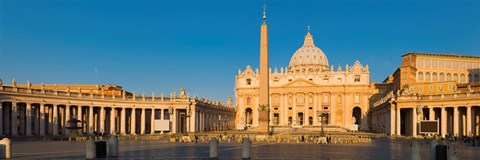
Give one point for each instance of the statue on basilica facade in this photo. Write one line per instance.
(29, 84)
(182, 93)
(55, 87)
(14, 82)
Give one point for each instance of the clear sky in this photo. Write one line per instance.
(162, 46)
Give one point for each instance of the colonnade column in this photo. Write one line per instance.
(142, 121)
(193, 120)
(444, 121)
(28, 115)
(55, 120)
(14, 119)
(414, 121)
(1, 118)
(42, 119)
(122, 120)
(112, 121)
(102, 119)
(392, 119)
(132, 122)
(173, 119)
(455, 121)
(431, 114)
(90, 119)
(469, 120)
(80, 117)
(152, 121)
(67, 118)
(397, 121)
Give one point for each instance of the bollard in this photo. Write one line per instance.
(416, 150)
(452, 151)
(246, 148)
(213, 148)
(101, 149)
(433, 144)
(91, 150)
(441, 152)
(8, 148)
(113, 146)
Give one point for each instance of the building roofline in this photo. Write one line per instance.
(441, 55)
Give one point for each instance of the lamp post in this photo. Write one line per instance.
(321, 119)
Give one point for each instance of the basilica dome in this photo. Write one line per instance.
(308, 55)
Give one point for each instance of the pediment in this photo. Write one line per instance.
(300, 83)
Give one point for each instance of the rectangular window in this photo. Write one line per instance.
(249, 81)
(310, 108)
(325, 80)
(158, 114)
(339, 80)
(166, 115)
(357, 78)
(289, 108)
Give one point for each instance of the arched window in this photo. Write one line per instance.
(290, 99)
(248, 116)
(300, 99)
(470, 78)
(449, 77)
(357, 99)
(462, 78)
(420, 76)
(441, 77)
(249, 101)
(476, 78)
(427, 77)
(434, 77)
(455, 77)
(310, 99)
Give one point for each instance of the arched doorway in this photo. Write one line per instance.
(357, 115)
(248, 116)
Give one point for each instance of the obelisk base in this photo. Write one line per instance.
(263, 127)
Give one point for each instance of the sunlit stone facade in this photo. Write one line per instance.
(443, 87)
(39, 110)
(305, 89)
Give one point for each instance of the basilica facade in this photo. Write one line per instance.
(307, 93)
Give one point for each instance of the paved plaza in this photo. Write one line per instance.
(378, 149)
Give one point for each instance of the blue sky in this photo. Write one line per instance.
(162, 46)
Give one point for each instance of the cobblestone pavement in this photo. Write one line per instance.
(379, 149)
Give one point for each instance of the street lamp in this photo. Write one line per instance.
(321, 119)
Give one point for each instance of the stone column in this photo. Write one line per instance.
(112, 121)
(42, 119)
(29, 119)
(80, 117)
(455, 121)
(414, 122)
(295, 120)
(55, 120)
(315, 109)
(1, 117)
(173, 119)
(444, 121)
(431, 114)
(102, 119)
(122, 120)
(142, 121)
(67, 118)
(392, 119)
(14, 120)
(152, 121)
(193, 120)
(469, 120)
(133, 122)
(90, 119)
(397, 121)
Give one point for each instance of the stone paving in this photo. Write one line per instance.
(378, 149)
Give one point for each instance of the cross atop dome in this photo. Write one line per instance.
(308, 39)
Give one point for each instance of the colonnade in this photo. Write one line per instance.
(453, 120)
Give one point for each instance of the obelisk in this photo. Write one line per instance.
(264, 107)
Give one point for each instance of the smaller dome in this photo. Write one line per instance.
(309, 55)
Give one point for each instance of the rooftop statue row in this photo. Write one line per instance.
(100, 91)
(357, 67)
